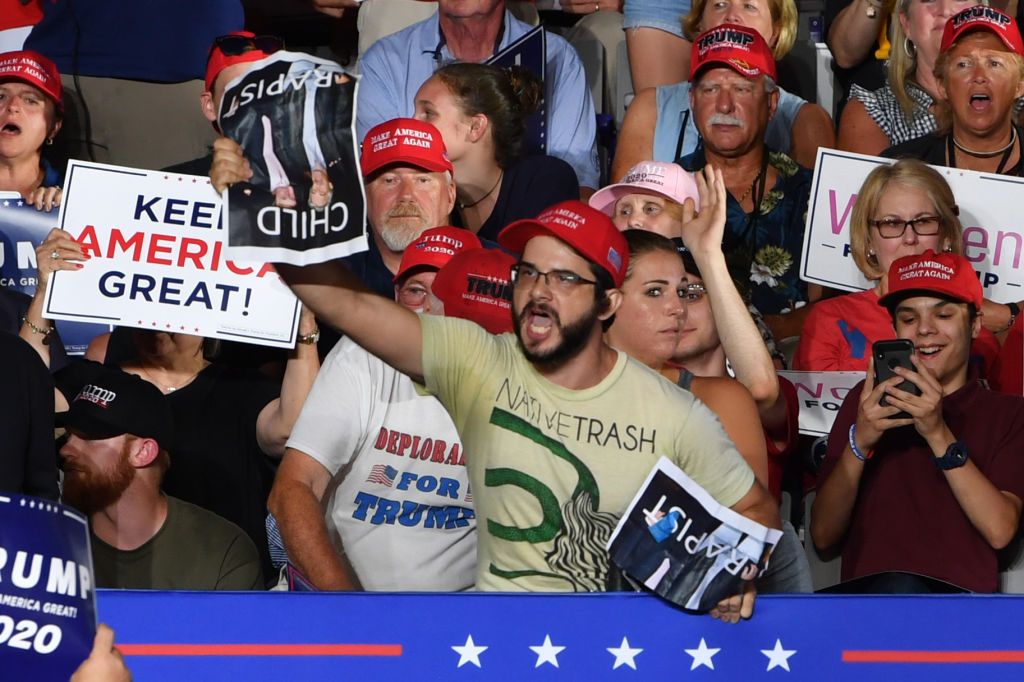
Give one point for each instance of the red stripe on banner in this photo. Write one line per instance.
(933, 657)
(260, 649)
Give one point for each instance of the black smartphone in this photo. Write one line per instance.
(889, 355)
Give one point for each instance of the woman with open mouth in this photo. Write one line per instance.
(980, 74)
(31, 111)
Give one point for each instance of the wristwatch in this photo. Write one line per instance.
(311, 338)
(955, 457)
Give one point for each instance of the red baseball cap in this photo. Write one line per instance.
(476, 285)
(740, 48)
(980, 17)
(34, 69)
(435, 247)
(585, 229)
(256, 48)
(407, 141)
(946, 275)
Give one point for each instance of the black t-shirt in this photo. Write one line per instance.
(216, 462)
(28, 462)
(529, 185)
(13, 307)
(200, 166)
(932, 150)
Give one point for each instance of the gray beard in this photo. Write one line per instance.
(397, 239)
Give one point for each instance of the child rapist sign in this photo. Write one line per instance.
(993, 225)
(157, 260)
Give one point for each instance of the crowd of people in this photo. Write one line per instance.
(523, 340)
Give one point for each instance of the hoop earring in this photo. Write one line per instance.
(49, 140)
(910, 48)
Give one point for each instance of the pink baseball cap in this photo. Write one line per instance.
(585, 229)
(740, 48)
(476, 285)
(407, 141)
(983, 18)
(36, 70)
(665, 180)
(435, 247)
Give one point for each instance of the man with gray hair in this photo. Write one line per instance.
(733, 97)
(409, 189)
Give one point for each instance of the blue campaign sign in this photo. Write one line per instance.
(530, 52)
(47, 602)
(22, 229)
(475, 636)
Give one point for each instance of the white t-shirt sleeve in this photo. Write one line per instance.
(334, 421)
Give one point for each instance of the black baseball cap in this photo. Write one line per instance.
(114, 402)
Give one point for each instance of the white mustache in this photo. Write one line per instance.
(725, 120)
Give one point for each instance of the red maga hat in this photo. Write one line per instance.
(238, 47)
(34, 69)
(585, 229)
(983, 18)
(476, 285)
(740, 48)
(945, 275)
(406, 141)
(435, 247)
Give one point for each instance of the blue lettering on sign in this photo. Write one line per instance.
(175, 211)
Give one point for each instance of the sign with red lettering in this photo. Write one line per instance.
(820, 395)
(993, 239)
(157, 260)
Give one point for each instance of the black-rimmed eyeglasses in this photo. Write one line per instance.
(893, 228)
(563, 280)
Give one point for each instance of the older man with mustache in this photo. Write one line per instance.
(733, 97)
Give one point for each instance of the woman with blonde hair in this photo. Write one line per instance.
(902, 210)
(659, 125)
(980, 74)
(904, 108)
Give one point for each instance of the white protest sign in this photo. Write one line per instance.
(820, 395)
(156, 248)
(993, 236)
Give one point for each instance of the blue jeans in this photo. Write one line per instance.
(666, 15)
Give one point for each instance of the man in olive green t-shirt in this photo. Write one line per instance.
(115, 457)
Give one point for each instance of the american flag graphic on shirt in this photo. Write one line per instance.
(383, 474)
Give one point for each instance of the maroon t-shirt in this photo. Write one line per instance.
(906, 517)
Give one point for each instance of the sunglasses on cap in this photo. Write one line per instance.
(233, 45)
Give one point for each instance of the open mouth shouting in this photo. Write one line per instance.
(980, 101)
(10, 129)
(539, 321)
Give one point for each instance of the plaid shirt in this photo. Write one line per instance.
(883, 108)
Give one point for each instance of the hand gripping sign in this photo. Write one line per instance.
(993, 229)
(47, 604)
(157, 260)
(294, 116)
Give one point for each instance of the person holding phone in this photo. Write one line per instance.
(901, 210)
(923, 502)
